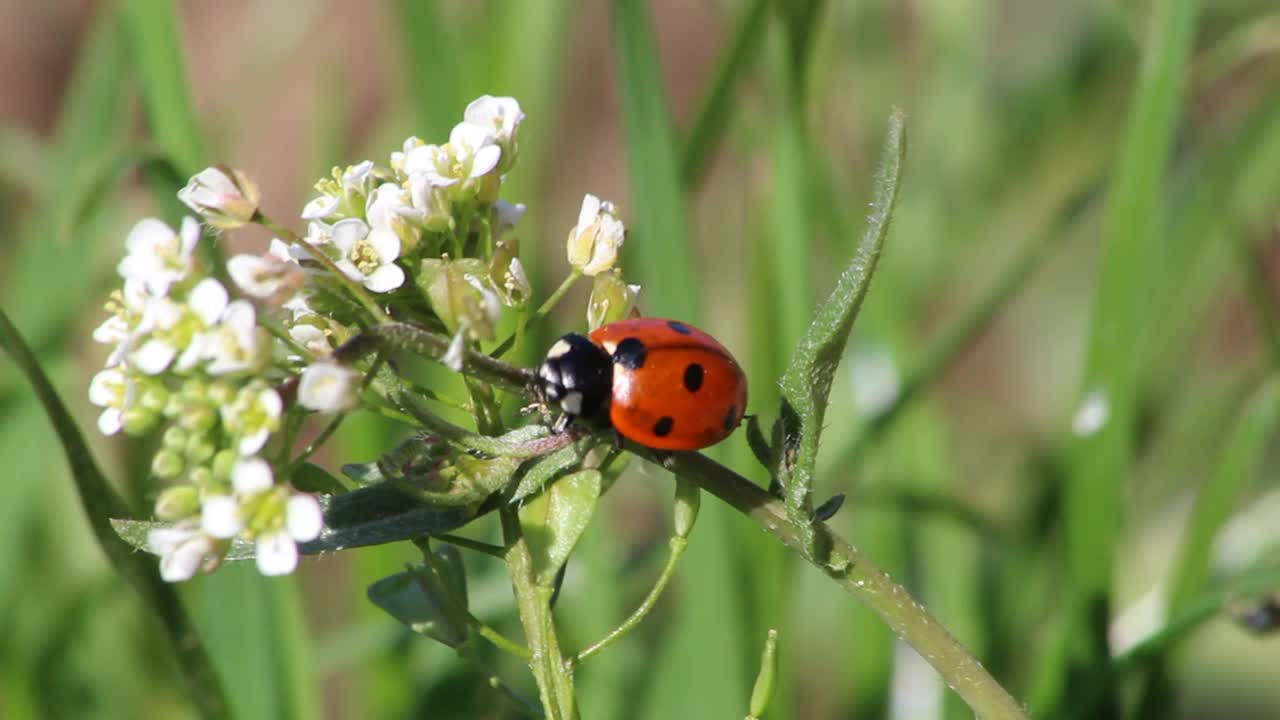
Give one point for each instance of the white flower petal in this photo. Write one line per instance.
(251, 476)
(220, 516)
(190, 234)
(346, 233)
(277, 554)
(181, 564)
(385, 279)
(385, 243)
(110, 422)
(486, 160)
(303, 518)
(589, 212)
(252, 443)
(319, 208)
(146, 235)
(208, 299)
(328, 387)
(154, 356)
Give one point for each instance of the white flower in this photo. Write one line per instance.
(183, 549)
(432, 201)
(265, 277)
(328, 387)
(223, 516)
(594, 242)
(225, 198)
(252, 416)
(368, 258)
(471, 153)
(311, 337)
(277, 552)
(391, 210)
(127, 306)
(114, 390)
(236, 344)
(157, 256)
(398, 157)
(320, 208)
(501, 116)
(507, 215)
(172, 330)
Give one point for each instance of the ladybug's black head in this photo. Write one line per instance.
(576, 376)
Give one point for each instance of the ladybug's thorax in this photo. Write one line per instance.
(576, 376)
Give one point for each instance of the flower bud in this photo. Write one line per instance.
(175, 438)
(199, 449)
(328, 387)
(177, 502)
(138, 420)
(688, 501)
(611, 299)
(225, 198)
(167, 464)
(594, 242)
(507, 275)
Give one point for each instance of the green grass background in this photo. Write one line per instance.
(1090, 208)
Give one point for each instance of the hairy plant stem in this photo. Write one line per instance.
(552, 673)
(859, 577)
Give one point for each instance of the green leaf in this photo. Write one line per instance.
(311, 478)
(431, 64)
(100, 503)
(717, 105)
(806, 384)
(1238, 465)
(661, 247)
(153, 34)
(541, 471)
(553, 521)
(420, 599)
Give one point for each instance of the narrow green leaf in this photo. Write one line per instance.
(431, 66)
(717, 104)
(1237, 466)
(100, 503)
(806, 384)
(1100, 460)
(660, 246)
(553, 521)
(153, 34)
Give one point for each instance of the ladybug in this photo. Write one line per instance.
(662, 383)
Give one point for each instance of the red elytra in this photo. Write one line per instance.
(674, 386)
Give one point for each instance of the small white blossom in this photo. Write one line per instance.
(471, 153)
(501, 116)
(277, 551)
(508, 215)
(391, 210)
(157, 256)
(267, 276)
(328, 387)
(368, 258)
(127, 307)
(170, 330)
(113, 390)
(235, 344)
(320, 208)
(398, 157)
(183, 548)
(220, 517)
(225, 198)
(252, 416)
(594, 242)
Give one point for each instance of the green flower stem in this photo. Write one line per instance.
(319, 440)
(483, 548)
(403, 336)
(359, 291)
(553, 675)
(676, 549)
(859, 577)
(538, 314)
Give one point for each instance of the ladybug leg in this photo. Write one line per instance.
(561, 424)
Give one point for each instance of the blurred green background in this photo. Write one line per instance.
(1055, 422)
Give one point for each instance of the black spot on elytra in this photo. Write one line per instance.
(630, 353)
(693, 377)
(663, 427)
(731, 419)
(679, 327)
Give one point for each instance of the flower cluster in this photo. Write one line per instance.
(204, 362)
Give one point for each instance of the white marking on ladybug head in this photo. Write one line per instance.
(559, 349)
(572, 403)
(610, 346)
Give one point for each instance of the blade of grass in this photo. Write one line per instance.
(157, 58)
(716, 108)
(100, 503)
(431, 67)
(1100, 460)
(660, 250)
